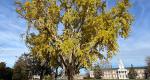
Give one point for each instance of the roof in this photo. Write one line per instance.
(144, 67)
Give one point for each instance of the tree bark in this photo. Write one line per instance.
(70, 76)
(41, 75)
(70, 72)
(69, 67)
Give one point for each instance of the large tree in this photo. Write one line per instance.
(90, 28)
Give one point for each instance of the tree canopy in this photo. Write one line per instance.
(90, 28)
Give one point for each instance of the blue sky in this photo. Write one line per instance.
(133, 50)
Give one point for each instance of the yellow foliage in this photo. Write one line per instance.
(27, 4)
(88, 29)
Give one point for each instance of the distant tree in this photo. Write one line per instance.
(132, 73)
(2, 70)
(29, 65)
(39, 67)
(98, 73)
(5, 72)
(147, 71)
(20, 71)
(9, 73)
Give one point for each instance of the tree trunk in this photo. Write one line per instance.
(69, 67)
(70, 77)
(70, 72)
(41, 75)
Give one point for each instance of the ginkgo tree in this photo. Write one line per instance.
(90, 28)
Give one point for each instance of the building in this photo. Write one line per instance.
(121, 72)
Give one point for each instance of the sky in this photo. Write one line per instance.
(133, 50)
